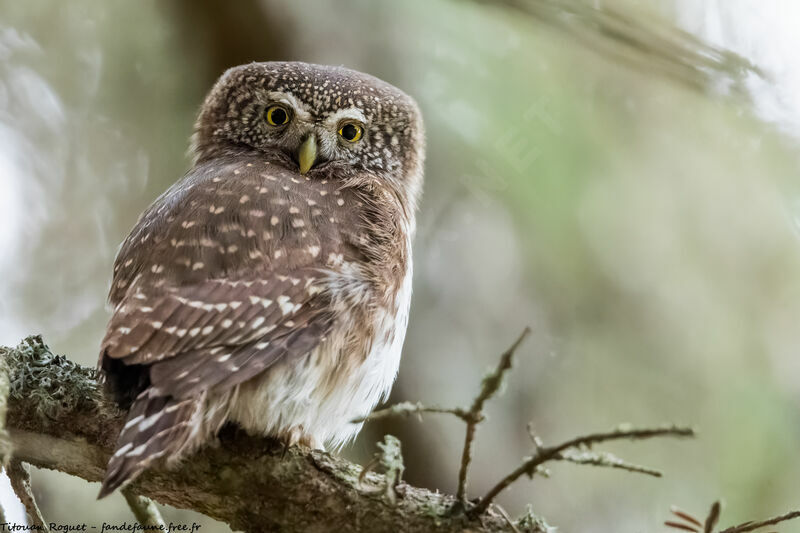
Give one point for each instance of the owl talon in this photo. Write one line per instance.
(284, 449)
(296, 436)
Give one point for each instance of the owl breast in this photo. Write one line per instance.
(313, 399)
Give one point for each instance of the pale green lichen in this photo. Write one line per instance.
(50, 383)
(245, 481)
(145, 511)
(532, 523)
(391, 459)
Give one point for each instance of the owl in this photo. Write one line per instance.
(270, 286)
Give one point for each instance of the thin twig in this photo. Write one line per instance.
(626, 434)
(489, 387)
(713, 517)
(21, 483)
(544, 454)
(410, 408)
(680, 513)
(680, 525)
(752, 526)
(491, 383)
(145, 511)
(608, 460)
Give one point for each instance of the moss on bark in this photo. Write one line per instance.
(58, 418)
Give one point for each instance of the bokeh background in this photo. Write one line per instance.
(622, 176)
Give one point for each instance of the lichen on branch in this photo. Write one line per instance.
(59, 418)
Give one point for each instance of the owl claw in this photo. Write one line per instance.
(296, 436)
(285, 448)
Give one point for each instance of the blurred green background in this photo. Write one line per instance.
(625, 189)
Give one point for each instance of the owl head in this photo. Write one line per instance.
(316, 119)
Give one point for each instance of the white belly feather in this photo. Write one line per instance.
(298, 396)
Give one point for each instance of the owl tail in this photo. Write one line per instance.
(157, 426)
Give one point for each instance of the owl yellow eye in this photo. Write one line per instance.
(351, 132)
(277, 115)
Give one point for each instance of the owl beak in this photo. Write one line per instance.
(307, 154)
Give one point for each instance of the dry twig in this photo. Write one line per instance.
(752, 526)
(20, 478)
(472, 416)
(713, 517)
(59, 419)
(489, 387)
(412, 408)
(544, 454)
(145, 511)
(693, 524)
(575, 450)
(689, 522)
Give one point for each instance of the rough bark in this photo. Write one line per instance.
(58, 418)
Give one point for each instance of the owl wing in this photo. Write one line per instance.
(221, 277)
(216, 333)
(193, 339)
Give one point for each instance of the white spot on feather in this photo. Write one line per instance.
(149, 421)
(132, 422)
(138, 451)
(124, 449)
(286, 305)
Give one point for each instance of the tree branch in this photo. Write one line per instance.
(489, 387)
(20, 478)
(752, 526)
(59, 419)
(639, 42)
(472, 416)
(569, 451)
(687, 522)
(576, 450)
(145, 511)
(410, 408)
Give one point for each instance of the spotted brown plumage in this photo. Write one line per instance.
(253, 293)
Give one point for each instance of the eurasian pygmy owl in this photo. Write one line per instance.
(269, 287)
